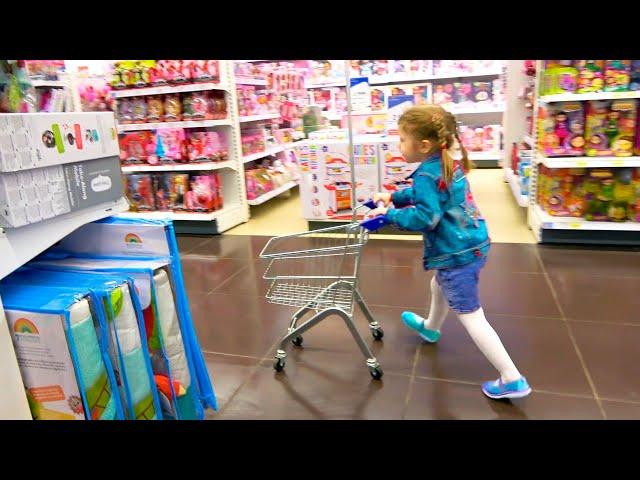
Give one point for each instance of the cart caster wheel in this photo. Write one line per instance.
(378, 333)
(278, 365)
(376, 373)
(297, 341)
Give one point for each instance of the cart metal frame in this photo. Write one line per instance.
(321, 278)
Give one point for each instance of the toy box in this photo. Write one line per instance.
(422, 93)
(634, 82)
(598, 194)
(480, 139)
(378, 98)
(397, 106)
(463, 93)
(561, 192)
(140, 192)
(621, 127)
(481, 92)
(325, 186)
(634, 207)
(394, 169)
(202, 195)
(616, 75)
(559, 80)
(443, 93)
(161, 188)
(170, 145)
(366, 123)
(33, 140)
(623, 195)
(590, 76)
(38, 194)
(258, 182)
(135, 147)
(178, 187)
(561, 129)
(600, 126)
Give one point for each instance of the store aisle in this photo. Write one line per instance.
(568, 317)
(507, 221)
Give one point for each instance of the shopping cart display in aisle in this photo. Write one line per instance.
(317, 271)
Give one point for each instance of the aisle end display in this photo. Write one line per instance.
(585, 183)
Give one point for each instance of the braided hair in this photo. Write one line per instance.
(434, 123)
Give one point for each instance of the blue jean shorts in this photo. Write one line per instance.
(459, 285)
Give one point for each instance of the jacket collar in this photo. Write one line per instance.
(425, 162)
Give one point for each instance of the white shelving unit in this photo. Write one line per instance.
(192, 87)
(259, 118)
(49, 83)
(187, 167)
(133, 127)
(273, 193)
(17, 247)
(548, 228)
(236, 209)
(259, 82)
(514, 184)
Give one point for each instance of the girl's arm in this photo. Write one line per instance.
(426, 212)
(403, 198)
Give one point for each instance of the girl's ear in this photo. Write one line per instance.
(425, 146)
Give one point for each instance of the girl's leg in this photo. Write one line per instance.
(429, 329)
(487, 340)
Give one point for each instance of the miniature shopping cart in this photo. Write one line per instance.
(317, 271)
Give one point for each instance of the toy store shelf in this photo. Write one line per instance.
(273, 193)
(19, 245)
(266, 153)
(477, 109)
(409, 78)
(586, 162)
(48, 83)
(549, 222)
(514, 183)
(326, 85)
(189, 216)
(192, 87)
(257, 118)
(480, 156)
(178, 168)
(131, 127)
(260, 82)
(572, 97)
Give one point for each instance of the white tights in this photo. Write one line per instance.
(479, 329)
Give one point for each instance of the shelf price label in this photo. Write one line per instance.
(575, 225)
(618, 162)
(581, 163)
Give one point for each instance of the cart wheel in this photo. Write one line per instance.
(297, 341)
(378, 333)
(278, 364)
(376, 373)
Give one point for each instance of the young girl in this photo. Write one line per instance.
(456, 241)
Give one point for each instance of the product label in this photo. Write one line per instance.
(45, 364)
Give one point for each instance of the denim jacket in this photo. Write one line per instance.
(453, 229)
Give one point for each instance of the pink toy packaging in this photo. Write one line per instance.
(201, 196)
(617, 75)
(171, 145)
(443, 94)
(562, 128)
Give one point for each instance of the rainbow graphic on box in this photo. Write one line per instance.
(132, 238)
(24, 325)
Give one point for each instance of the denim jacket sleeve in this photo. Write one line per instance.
(402, 198)
(425, 213)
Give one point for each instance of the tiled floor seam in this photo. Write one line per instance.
(412, 378)
(572, 337)
(254, 369)
(186, 252)
(226, 280)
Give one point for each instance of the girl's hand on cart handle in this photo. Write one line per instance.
(377, 212)
(384, 197)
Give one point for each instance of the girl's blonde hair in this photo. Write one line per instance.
(434, 123)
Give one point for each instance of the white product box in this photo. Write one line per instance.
(34, 195)
(397, 106)
(33, 140)
(394, 169)
(325, 186)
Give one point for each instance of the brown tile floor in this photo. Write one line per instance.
(569, 317)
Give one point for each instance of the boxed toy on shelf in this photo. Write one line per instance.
(394, 169)
(151, 73)
(486, 138)
(195, 192)
(175, 107)
(561, 129)
(610, 127)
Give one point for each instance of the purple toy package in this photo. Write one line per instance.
(562, 129)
